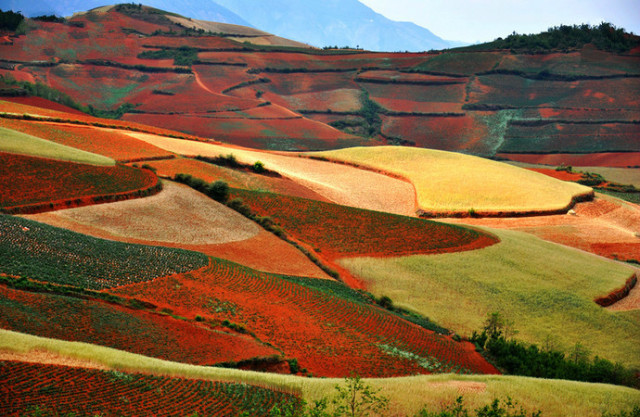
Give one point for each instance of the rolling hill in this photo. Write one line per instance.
(575, 105)
(173, 259)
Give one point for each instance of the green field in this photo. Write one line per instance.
(552, 397)
(50, 254)
(21, 143)
(545, 289)
(452, 182)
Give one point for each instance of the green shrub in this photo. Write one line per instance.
(219, 191)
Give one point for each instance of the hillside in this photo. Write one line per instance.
(571, 103)
(161, 249)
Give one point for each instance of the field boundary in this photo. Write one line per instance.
(619, 294)
(150, 190)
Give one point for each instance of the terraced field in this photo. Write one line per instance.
(547, 291)
(32, 184)
(478, 185)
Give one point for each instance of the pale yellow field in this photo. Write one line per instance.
(453, 182)
(12, 141)
(342, 184)
(547, 291)
(554, 398)
(178, 214)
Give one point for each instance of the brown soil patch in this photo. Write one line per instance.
(49, 358)
(178, 214)
(612, 159)
(264, 251)
(339, 183)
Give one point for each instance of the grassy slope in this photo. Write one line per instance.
(21, 143)
(447, 181)
(546, 289)
(553, 397)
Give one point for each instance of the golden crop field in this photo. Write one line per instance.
(448, 182)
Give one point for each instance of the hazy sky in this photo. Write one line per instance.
(485, 20)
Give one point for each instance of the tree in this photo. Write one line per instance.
(358, 399)
(219, 191)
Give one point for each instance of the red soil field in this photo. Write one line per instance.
(83, 119)
(400, 77)
(190, 97)
(444, 133)
(54, 389)
(30, 184)
(447, 93)
(588, 61)
(342, 100)
(111, 143)
(605, 227)
(235, 178)
(512, 90)
(561, 175)
(102, 86)
(43, 104)
(337, 231)
(200, 42)
(582, 114)
(297, 83)
(572, 137)
(310, 62)
(608, 159)
(147, 333)
(218, 78)
(319, 329)
(294, 134)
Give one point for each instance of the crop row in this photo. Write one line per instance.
(147, 333)
(50, 254)
(60, 390)
(345, 230)
(29, 184)
(329, 332)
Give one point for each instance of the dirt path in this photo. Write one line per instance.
(201, 84)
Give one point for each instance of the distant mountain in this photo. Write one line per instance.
(334, 23)
(197, 9)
